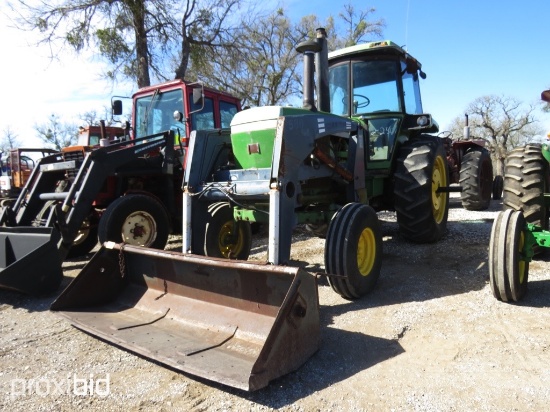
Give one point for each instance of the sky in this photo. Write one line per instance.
(467, 48)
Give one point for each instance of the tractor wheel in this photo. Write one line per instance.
(353, 250)
(508, 272)
(135, 219)
(85, 240)
(525, 182)
(421, 209)
(476, 179)
(498, 186)
(223, 236)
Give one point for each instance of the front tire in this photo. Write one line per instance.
(508, 270)
(85, 240)
(135, 219)
(353, 250)
(476, 179)
(421, 209)
(223, 236)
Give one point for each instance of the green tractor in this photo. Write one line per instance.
(362, 147)
(521, 230)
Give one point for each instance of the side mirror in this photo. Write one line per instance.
(116, 107)
(198, 96)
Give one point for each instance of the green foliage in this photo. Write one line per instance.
(112, 45)
(238, 50)
(77, 36)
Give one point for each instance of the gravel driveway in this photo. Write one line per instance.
(430, 337)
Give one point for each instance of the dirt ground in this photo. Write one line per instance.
(431, 337)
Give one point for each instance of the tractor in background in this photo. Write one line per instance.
(521, 230)
(118, 184)
(16, 169)
(471, 167)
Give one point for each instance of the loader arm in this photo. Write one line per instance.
(34, 246)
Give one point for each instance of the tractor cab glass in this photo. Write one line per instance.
(155, 113)
(372, 89)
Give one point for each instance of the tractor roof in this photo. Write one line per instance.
(377, 47)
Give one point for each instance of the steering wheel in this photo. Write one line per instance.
(365, 101)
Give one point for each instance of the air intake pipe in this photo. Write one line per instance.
(321, 71)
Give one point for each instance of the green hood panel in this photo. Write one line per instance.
(253, 134)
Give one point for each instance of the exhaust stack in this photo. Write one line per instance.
(316, 60)
(309, 48)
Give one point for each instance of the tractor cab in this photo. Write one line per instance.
(180, 107)
(378, 82)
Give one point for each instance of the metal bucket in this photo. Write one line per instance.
(29, 259)
(237, 323)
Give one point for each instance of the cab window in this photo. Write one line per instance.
(227, 111)
(203, 119)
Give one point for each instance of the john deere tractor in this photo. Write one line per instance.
(521, 230)
(361, 147)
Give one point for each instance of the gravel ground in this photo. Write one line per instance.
(430, 337)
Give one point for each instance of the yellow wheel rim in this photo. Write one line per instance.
(521, 262)
(439, 179)
(229, 248)
(366, 252)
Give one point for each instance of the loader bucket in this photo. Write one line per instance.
(236, 323)
(29, 259)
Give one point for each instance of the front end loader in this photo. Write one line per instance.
(330, 166)
(117, 184)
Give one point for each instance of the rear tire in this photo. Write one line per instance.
(421, 169)
(353, 250)
(476, 179)
(508, 272)
(135, 219)
(525, 181)
(223, 236)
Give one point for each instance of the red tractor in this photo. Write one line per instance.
(470, 166)
(126, 189)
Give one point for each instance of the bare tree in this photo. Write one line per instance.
(57, 134)
(503, 122)
(264, 68)
(92, 117)
(9, 140)
(358, 26)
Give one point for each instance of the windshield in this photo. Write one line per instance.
(374, 87)
(155, 113)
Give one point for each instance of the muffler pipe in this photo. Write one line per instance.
(309, 48)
